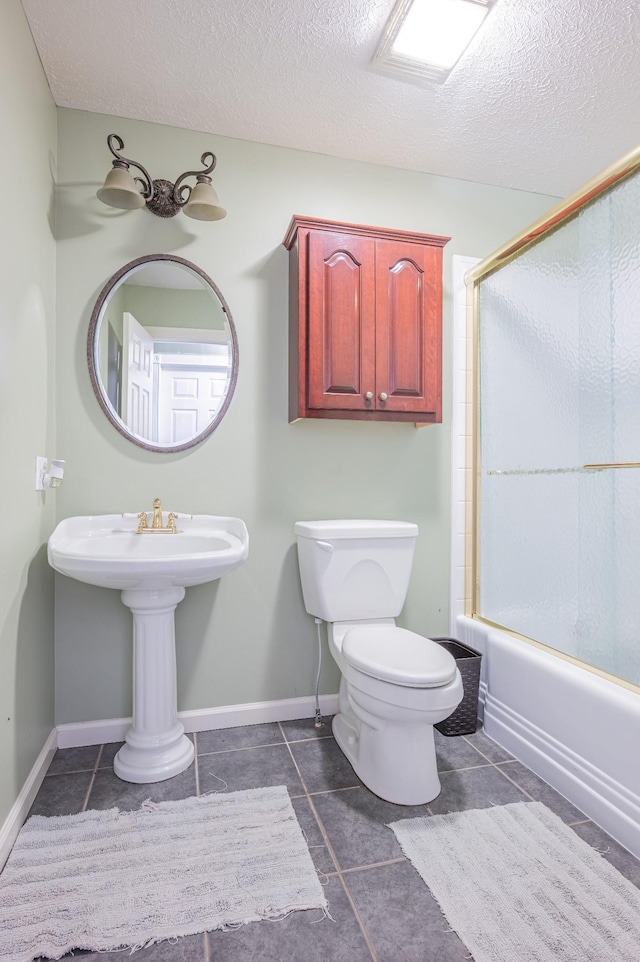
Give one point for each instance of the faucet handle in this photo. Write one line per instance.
(171, 522)
(143, 523)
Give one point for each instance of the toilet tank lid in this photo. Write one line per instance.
(358, 528)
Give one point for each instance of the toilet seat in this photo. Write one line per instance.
(398, 656)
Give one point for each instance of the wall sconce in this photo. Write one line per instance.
(161, 197)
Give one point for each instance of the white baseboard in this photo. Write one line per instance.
(482, 700)
(20, 809)
(602, 798)
(79, 734)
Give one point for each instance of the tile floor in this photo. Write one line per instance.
(381, 909)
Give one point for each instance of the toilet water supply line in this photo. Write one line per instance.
(318, 721)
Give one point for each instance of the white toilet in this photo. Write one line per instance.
(395, 684)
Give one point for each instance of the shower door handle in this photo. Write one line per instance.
(612, 464)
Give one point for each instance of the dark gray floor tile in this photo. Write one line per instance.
(541, 792)
(323, 766)
(109, 791)
(188, 949)
(355, 822)
(489, 748)
(302, 728)
(62, 794)
(108, 753)
(248, 736)
(475, 788)
(74, 760)
(249, 768)
(402, 919)
(319, 851)
(300, 936)
(455, 752)
(626, 863)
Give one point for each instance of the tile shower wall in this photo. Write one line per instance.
(461, 438)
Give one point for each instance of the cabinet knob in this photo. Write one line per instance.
(369, 396)
(383, 396)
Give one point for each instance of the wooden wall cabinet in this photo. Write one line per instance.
(365, 308)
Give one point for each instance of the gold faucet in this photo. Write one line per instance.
(156, 524)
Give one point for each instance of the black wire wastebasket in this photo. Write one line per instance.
(464, 720)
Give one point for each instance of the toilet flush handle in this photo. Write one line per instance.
(325, 545)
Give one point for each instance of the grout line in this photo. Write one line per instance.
(330, 791)
(89, 790)
(79, 771)
(197, 772)
(583, 821)
(314, 738)
(513, 782)
(74, 771)
(476, 749)
(325, 837)
(244, 748)
(249, 748)
(92, 780)
(363, 928)
(468, 768)
(334, 858)
(523, 790)
(207, 954)
(362, 868)
(295, 764)
(342, 881)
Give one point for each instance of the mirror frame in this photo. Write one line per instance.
(105, 404)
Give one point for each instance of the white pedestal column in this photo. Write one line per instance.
(156, 747)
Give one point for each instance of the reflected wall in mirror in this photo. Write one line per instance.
(162, 353)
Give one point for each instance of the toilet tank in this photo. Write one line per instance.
(355, 570)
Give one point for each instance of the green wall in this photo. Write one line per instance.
(27, 413)
(247, 637)
(164, 307)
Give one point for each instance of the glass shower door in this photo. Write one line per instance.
(559, 532)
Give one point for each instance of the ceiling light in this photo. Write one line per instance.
(424, 39)
(161, 197)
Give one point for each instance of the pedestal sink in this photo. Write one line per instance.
(152, 571)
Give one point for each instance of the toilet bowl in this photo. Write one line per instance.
(395, 684)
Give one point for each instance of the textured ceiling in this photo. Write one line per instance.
(546, 96)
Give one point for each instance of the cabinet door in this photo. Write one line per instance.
(341, 359)
(408, 328)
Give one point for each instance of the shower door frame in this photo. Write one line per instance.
(612, 175)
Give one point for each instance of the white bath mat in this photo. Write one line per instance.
(518, 885)
(105, 880)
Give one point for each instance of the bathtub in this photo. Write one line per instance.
(576, 730)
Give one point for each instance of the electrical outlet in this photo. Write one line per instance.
(41, 470)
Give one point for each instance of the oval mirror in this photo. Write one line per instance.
(162, 353)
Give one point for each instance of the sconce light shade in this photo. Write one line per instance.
(203, 203)
(161, 197)
(119, 190)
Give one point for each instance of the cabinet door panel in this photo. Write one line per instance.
(341, 321)
(408, 327)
